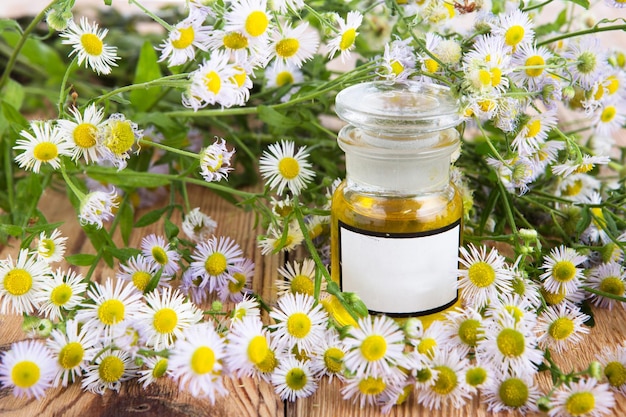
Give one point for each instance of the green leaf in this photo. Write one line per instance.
(108, 2)
(154, 281)
(81, 259)
(171, 230)
(150, 217)
(126, 178)
(147, 70)
(13, 94)
(40, 55)
(123, 254)
(583, 3)
(9, 24)
(276, 119)
(126, 217)
(11, 229)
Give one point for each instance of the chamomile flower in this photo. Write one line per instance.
(297, 277)
(165, 315)
(215, 261)
(432, 340)
(294, 44)
(578, 187)
(215, 161)
(584, 165)
(398, 61)
(157, 250)
(596, 230)
(73, 347)
(511, 392)
(277, 240)
(248, 17)
(293, 379)
(464, 328)
(343, 42)
(109, 306)
(21, 282)
(196, 361)
(586, 397)
(478, 375)
(483, 275)
(609, 278)
(61, 293)
(87, 41)
(198, 226)
(98, 207)
(327, 358)
(486, 66)
(47, 146)
(370, 390)
(514, 306)
(613, 361)
(29, 368)
(249, 350)
(116, 138)
(299, 322)
(182, 41)
(588, 62)
(534, 133)
(82, 132)
(284, 168)
(279, 75)
(155, 367)
(51, 248)
(609, 117)
(561, 327)
(448, 386)
(374, 347)
(530, 65)
(107, 372)
(515, 28)
(212, 83)
(239, 283)
(561, 270)
(248, 307)
(139, 271)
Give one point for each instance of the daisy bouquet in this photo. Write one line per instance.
(236, 97)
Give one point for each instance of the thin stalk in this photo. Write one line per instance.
(152, 15)
(66, 76)
(595, 29)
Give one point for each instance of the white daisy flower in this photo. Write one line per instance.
(108, 370)
(511, 392)
(87, 41)
(596, 231)
(609, 278)
(279, 75)
(277, 240)
(613, 361)
(51, 248)
(215, 261)
(73, 348)
(515, 28)
(166, 315)
(293, 379)
(283, 168)
(248, 307)
(82, 132)
(609, 118)
(586, 164)
(61, 293)
(297, 277)
(182, 41)
(240, 47)
(109, 306)
(433, 339)
(139, 271)
(586, 397)
(300, 322)
(465, 329)
(116, 138)
(371, 390)
(198, 226)
(398, 61)
(212, 83)
(561, 327)
(156, 249)
(215, 161)
(239, 284)
(562, 272)
(191, 286)
(249, 17)
(154, 368)
(98, 207)
(196, 361)
(345, 39)
(327, 356)
(374, 347)
(561, 296)
(534, 133)
(514, 306)
(294, 44)
(578, 187)
(525, 287)
(588, 60)
(249, 351)
(29, 368)
(129, 336)
(21, 282)
(486, 65)
(530, 65)
(45, 147)
(483, 276)
(479, 375)
(448, 385)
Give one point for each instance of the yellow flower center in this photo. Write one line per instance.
(286, 48)
(284, 78)
(580, 403)
(289, 167)
(431, 65)
(25, 374)
(18, 282)
(469, 332)
(372, 386)
(347, 39)
(91, 44)
(446, 380)
(514, 35)
(71, 355)
(45, 151)
(612, 84)
(397, 67)
(333, 359)
(496, 77)
(159, 368)
(240, 77)
(216, 264)
(46, 248)
(111, 369)
(374, 347)
(235, 40)
(475, 376)
(256, 23)
(213, 82)
(61, 294)
(85, 135)
(608, 114)
(484, 77)
(573, 189)
(561, 328)
(514, 312)
(298, 325)
(160, 255)
(511, 343)
(534, 61)
(141, 279)
(481, 274)
(238, 284)
(165, 320)
(615, 372)
(258, 349)
(122, 137)
(564, 271)
(533, 128)
(187, 35)
(487, 105)
(214, 162)
(302, 284)
(612, 285)
(296, 379)
(553, 298)
(513, 392)
(427, 347)
(111, 312)
(203, 360)
(269, 363)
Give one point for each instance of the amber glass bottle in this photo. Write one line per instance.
(396, 218)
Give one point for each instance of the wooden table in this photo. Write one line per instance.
(247, 397)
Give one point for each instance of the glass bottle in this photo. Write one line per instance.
(396, 218)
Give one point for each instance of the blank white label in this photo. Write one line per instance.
(401, 274)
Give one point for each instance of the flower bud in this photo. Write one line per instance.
(217, 306)
(58, 19)
(413, 328)
(528, 234)
(543, 403)
(595, 370)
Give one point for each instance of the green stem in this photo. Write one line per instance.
(21, 42)
(507, 207)
(537, 6)
(152, 15)
(595, 29)
(604, 294)
(66, 76)
(8, 170)
(78, 193)
(169, 149)
(167, 81)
